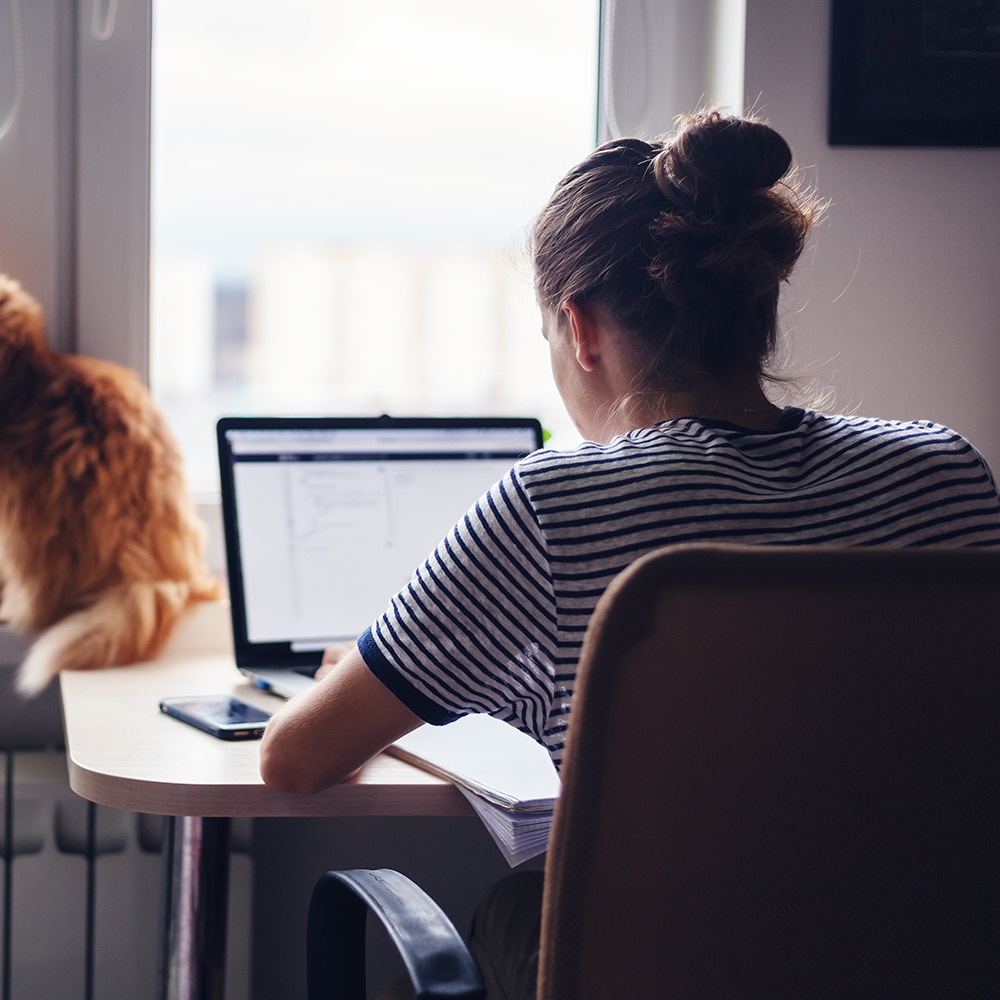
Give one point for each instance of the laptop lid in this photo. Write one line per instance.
(325, 518)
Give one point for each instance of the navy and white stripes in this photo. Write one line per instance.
(493, 621)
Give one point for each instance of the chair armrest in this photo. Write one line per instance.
(436, 958)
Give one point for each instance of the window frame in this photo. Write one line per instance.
(74, 170)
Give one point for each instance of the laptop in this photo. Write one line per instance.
(325, 519)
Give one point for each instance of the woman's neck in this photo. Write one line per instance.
(738, 400)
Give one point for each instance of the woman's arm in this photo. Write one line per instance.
(322, 736)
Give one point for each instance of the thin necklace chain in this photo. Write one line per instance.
(733, 413)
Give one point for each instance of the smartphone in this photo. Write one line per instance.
(221, 715)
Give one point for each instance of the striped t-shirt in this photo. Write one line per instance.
(494, 620)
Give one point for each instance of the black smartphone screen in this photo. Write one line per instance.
(221, 715)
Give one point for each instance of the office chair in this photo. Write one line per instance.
(781, 781)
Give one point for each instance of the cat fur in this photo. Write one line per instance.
(101, 549)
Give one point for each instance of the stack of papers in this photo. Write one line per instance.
(508, 777)
(519, 835)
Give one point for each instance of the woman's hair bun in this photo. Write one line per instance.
(712, 153)
(684, 241)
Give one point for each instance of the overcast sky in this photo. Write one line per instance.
(426, 121)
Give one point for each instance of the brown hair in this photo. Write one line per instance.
(684, 241)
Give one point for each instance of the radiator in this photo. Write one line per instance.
(81, 892)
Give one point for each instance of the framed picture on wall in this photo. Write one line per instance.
(914, 73)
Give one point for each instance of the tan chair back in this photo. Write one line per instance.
(781, 780)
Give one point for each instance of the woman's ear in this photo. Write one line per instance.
(585, 333)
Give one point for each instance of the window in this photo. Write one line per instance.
(341, 196)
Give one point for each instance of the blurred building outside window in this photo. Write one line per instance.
(341, 201)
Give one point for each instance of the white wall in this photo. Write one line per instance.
(900, 297)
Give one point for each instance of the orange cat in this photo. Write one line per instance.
(101, 550)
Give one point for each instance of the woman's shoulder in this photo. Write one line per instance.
(557, 460)
(926, 444)
(914, 429)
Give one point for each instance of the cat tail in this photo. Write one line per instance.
(129, 623)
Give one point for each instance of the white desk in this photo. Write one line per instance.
(124, 753)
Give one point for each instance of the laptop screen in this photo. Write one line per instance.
(326, 518)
